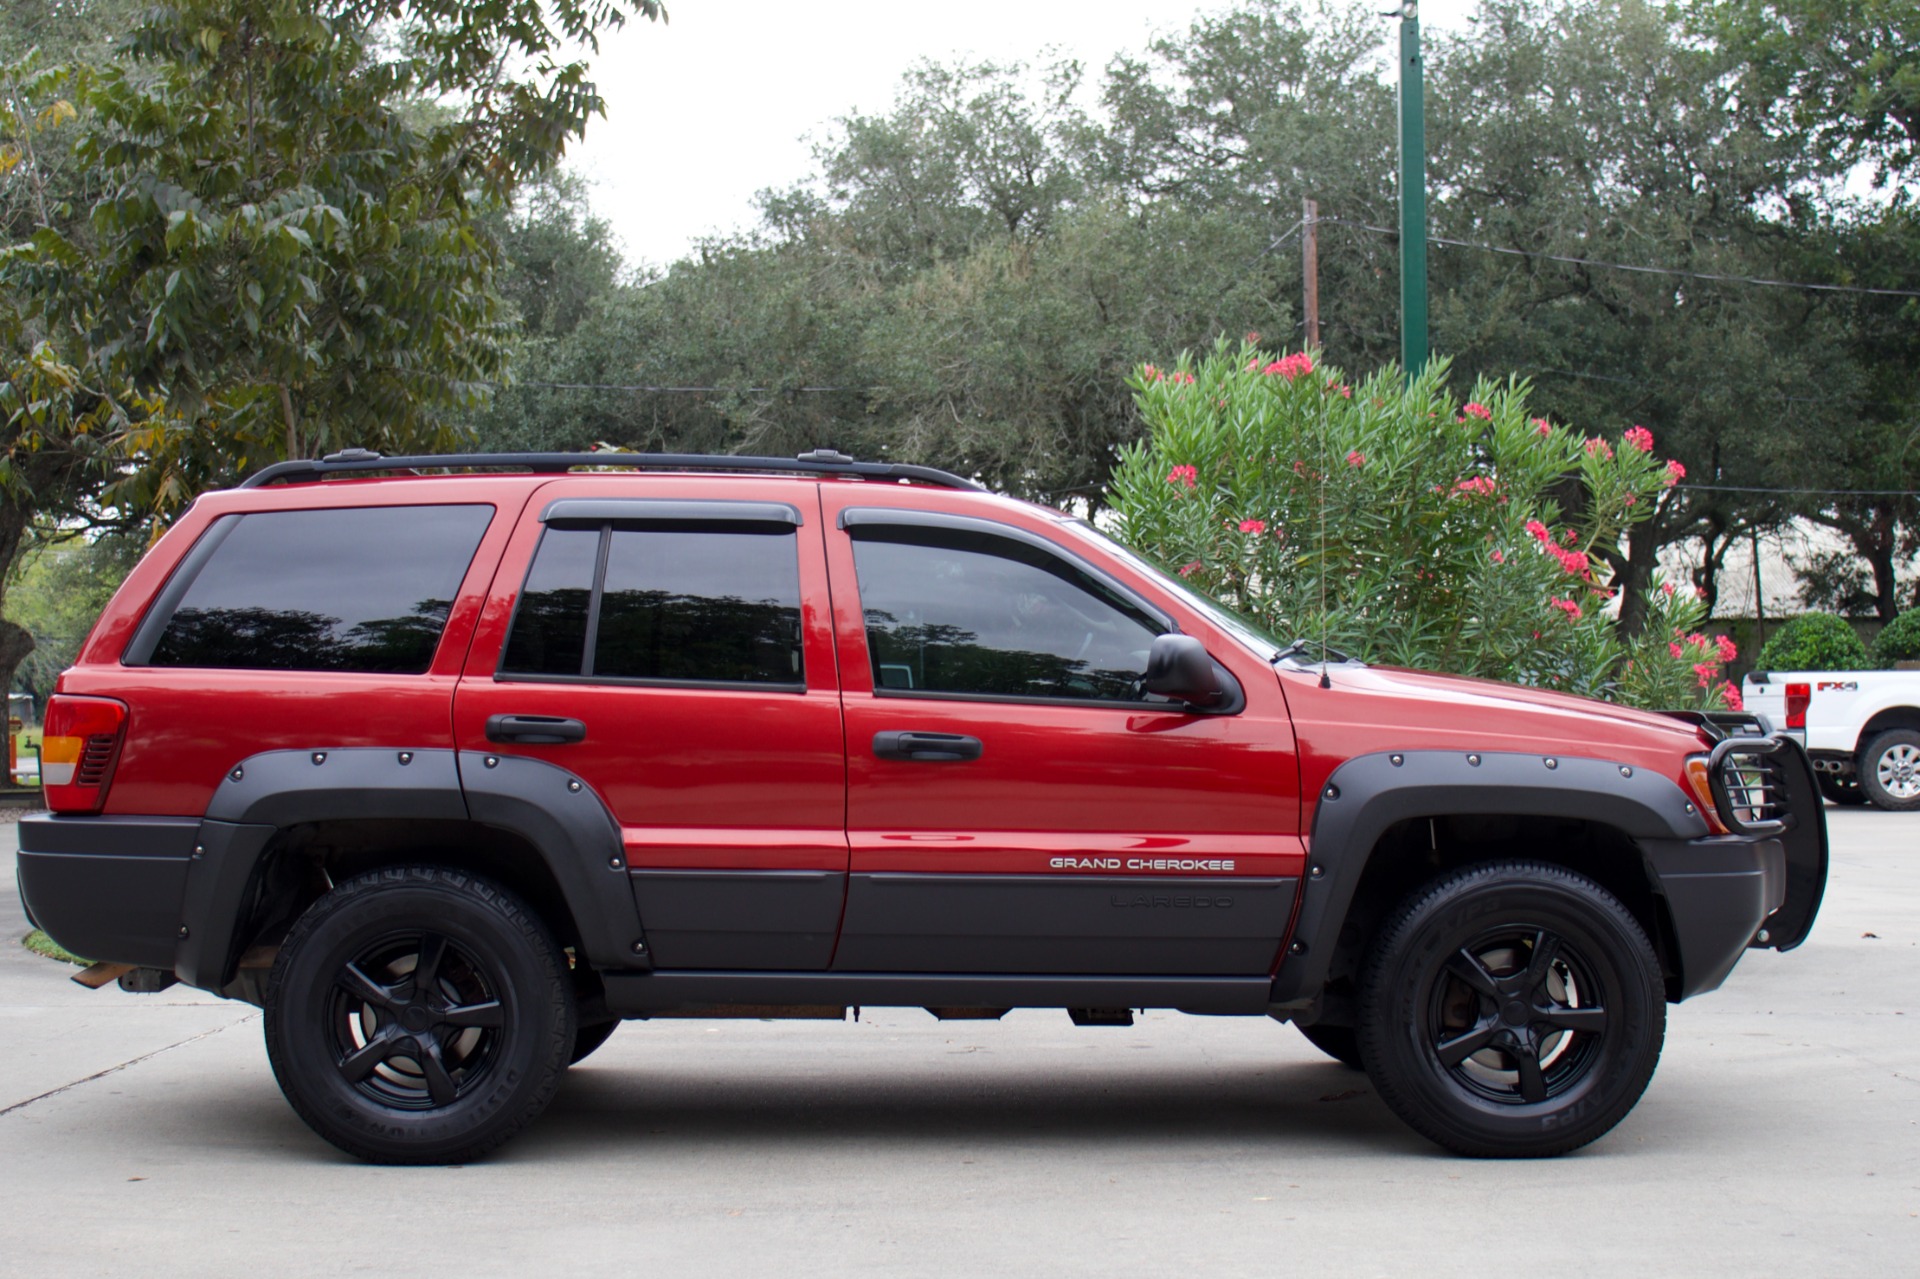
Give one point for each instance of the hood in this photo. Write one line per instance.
(1422, 710)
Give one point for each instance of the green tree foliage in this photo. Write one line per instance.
(1898, 640)
(57, 591)
(1404, 526)
(1815, 642)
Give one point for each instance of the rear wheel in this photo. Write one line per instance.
(419, 1015)
(1842, 790)
(1512, 1010)
(1890, 770)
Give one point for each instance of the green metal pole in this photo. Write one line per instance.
(1413, 195)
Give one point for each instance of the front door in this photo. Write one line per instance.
(1016, 802)
(674, 629)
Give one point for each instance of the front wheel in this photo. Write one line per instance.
(1890, 770)
(419, 1015)
(1512, 1010)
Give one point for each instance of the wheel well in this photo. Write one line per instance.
(1411, 852)
(302, 862)
(1893, 717)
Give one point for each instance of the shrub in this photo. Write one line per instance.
(1898, 640)
(1815, 642)
(1407, 527)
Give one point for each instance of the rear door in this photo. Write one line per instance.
(1016, 804)
(674, 631)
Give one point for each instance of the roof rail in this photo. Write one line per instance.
(817, 462)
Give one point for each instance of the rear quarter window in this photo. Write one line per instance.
(359, 589)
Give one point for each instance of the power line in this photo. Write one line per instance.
(1643, 270)
(1741, 488)
(681, 390)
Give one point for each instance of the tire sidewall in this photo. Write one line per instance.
(1397, 998)
(500, 937)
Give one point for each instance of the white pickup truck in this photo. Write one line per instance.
(1861, 729)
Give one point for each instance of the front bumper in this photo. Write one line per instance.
(108, 888)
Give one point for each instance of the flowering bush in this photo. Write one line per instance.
(1408, 527)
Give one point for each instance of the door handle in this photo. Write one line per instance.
(535, 730)
(926, 747)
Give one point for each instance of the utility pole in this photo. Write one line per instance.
(1310, 267)
(1413, 195)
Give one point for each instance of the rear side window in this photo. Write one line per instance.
(363, 589)
(693, 602)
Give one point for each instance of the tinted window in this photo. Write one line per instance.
(704, 604)
(970, 613)
(360, 589)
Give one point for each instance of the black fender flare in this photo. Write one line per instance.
(262, 795)
(1370, 793)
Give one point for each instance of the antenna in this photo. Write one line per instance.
(1326, 470)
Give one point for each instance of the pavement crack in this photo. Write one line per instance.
(114, 1070)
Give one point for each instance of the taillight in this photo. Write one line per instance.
(1798, 695)
(78, 748)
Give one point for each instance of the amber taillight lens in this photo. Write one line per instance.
(78, 749)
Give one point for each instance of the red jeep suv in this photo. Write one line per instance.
(453, 763)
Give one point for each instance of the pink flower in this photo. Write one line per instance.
(1542, 427)
(1639, 437)
(1253, 526)
(1190, 568)
(1356, 458)
(1600, 446)
(1666, 589)
(1699, 592)
(1150, 373)
(1253, 339)
(1479, 484)
(1707, 673)
(1498, 558)
(1183, 475)
(1731, 696)
(1699, 641)
(1726, 646)
(1673, 647)
(1539, 532)
(1480, 411)
(1339, 388)
(1568, 607)
(1675, 472)
(1575, 562)
(1631, 499)
(1290, 366)
(1182, 379)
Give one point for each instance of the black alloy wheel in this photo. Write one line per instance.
(1512, 1010)
(419, 1015)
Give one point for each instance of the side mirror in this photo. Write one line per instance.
(1178, 667)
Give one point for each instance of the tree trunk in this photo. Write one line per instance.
(1636, 577)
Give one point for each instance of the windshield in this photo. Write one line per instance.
(1249, 634)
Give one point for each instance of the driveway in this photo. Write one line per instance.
(1781, 1135)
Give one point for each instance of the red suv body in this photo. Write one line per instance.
(453, 772)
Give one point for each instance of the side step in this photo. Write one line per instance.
(640, 993)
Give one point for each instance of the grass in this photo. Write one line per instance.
(41, 944)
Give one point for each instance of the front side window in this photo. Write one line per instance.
(362, 589)
(973, 614)
(715, 605)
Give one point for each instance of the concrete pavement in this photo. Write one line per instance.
(1781, 1135)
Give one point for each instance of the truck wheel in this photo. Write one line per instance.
(1512, 1010)
(1342, 1043)
(590, 1037)
(419, 1015)
(1844, 791)
(1890, 770)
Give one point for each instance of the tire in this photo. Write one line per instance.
(395, 1074)
(1890, 770)
(1512, 1010)
(1843, 791)
(1342, 1043)
(589, 1037)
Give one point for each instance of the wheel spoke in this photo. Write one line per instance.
(426, 969)
(440, 1085)
(1546, 949)
(1466, 966)
(487, 1015)
(364, 988)
(1589, 1021)
(1533, 1084)
(1456, 1050)
(360, 1063)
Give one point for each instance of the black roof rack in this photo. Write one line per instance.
(818, 462)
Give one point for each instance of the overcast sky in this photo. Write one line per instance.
(716, 104)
